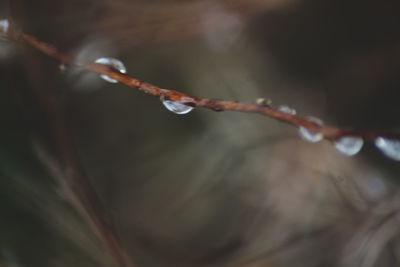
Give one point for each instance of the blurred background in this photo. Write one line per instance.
(206, 188)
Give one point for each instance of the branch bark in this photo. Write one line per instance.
(329, 132)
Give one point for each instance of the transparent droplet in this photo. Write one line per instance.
(4, 25)
(349, 146)
(311, 136)
(114, 63)
(263, 102)
(287, 110)
(176, 107)
(389, 147)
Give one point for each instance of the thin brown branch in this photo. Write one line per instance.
(329, 132)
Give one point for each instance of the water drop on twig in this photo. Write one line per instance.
(263, 102)
(389, 147)
(111, 62)
(349, 146)
(287, 110)
(309, 135)
(176, 107)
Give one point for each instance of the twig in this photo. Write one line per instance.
(329, 132)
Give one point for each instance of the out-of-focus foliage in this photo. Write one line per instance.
(206, 189)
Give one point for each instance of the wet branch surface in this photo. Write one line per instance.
(329, 132)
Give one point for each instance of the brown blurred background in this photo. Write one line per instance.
(204, 189)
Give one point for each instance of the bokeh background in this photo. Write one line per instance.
(203, 189)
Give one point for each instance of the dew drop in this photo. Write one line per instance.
(263, 102)
(176, 107)
(349, 146)
(311, 136)
(389, 147)
(114, 63)
(4, 25)
(287, 110)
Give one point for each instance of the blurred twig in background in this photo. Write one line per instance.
(71, 176)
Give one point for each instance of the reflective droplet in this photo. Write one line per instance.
(4, 25)
(349, 146)
(177, 107)
(311, 136)
(264, 102)
(287, 110)
(114, 63)
(389, 147)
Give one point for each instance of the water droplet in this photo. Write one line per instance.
(311, 136)
(4, 25)
(287, 110)
(114, 63)
(349, 146)
(177, 107)
(389, 147)
(263, 102)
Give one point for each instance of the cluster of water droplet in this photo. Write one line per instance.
(348, 145)
(352, 145)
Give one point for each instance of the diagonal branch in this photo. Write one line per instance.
(329, 132)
